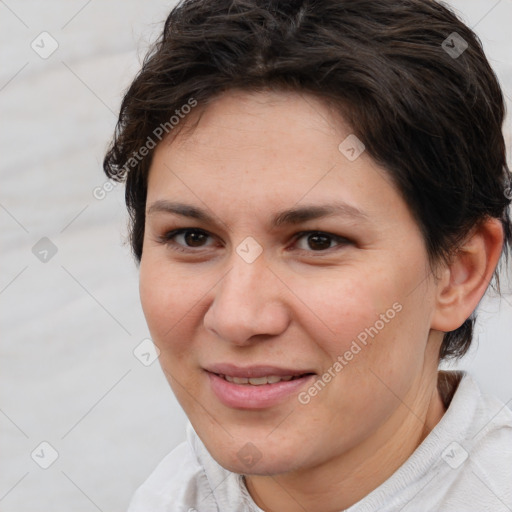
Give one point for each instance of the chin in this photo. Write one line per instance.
(259, 469)
(262, 459)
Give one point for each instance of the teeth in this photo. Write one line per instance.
(257, 381)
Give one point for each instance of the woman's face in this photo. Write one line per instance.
(299, 259)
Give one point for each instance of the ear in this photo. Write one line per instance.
(464, 282)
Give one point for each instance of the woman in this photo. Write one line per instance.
(319, 200)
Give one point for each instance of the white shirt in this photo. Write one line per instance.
(463, 465)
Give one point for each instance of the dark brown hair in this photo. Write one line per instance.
(428, 108)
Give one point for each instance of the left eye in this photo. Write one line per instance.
(318, 241)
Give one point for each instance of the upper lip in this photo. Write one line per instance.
(253, 371)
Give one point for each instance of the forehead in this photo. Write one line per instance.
(270, 123)
(266, 150)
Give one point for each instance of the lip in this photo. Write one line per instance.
(246, 396)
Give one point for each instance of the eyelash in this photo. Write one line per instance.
(169, 240)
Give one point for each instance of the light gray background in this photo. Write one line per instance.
(69, 326)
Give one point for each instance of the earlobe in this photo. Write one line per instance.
(464, 282)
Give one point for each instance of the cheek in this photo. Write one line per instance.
(345, 306)
(363, 322)
(170, 301)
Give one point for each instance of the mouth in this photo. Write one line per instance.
(261, 381)
(232, 371)
(256, 387)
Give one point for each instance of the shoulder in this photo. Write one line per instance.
(475, 443)
(178, 480)
(188, 479)
(464, 464)
(488, 450)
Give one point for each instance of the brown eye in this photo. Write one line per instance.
(183, 239)
(194, 238)
(317, 241)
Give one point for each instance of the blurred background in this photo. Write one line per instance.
(85, 411)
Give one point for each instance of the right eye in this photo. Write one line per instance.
(186, 239)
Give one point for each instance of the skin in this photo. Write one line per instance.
(251, 156)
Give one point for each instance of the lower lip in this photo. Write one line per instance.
(247, 396)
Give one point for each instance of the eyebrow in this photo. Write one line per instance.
(291, 216)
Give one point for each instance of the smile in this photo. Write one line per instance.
(259, 381)
(257, 387)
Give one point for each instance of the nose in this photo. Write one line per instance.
(248, 302)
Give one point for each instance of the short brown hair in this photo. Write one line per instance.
(408, 76)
